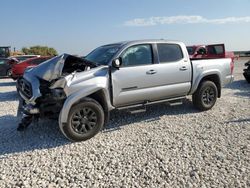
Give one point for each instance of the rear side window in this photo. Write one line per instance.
(169, 52)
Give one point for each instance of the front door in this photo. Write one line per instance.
(132, 82)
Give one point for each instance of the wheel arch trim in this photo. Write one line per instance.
(78, 96)
(213, 76)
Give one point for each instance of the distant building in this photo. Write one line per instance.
(242, 53)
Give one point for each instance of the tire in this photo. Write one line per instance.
(205, 96)
(85, 120)
(247, 76)
(9, 73)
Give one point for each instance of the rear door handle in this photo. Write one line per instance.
(183, 68)
(151, 72)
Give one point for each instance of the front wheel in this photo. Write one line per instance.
(205, 96)
(85, 120)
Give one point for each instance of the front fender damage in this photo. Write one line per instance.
(48, 83)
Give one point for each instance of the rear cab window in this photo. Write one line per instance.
(169, 52)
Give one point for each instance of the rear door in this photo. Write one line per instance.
(174, 72)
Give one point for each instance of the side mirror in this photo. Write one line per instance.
(116, 63)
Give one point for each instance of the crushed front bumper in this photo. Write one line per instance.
(25, 112)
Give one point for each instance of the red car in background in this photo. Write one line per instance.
(209, 52)
(19, 68)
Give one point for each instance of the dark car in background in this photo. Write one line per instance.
(246, 71)
(19, 68)
(247, 53)
(5, 67)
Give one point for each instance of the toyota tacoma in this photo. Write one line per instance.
(81, 92)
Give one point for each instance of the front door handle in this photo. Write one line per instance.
(183, 68)
(151, 72)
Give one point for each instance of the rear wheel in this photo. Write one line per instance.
(85, 120)
(205, 96)
(247, 76)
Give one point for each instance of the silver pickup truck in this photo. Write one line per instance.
(81, 92)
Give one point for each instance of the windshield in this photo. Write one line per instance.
(190, 50)
(103, 54)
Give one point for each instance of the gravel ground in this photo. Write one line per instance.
(164, 147)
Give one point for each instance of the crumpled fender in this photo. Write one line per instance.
(75, 97)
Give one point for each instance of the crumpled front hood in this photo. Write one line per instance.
(49, 70)
(75, 82)
(53, 68)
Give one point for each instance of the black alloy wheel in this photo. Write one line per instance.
(205, 96)
(208, 96)
(85, 120)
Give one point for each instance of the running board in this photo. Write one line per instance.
(136, 111)
(151, 102)
(176, 103)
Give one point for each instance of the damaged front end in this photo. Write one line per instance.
(41, 89)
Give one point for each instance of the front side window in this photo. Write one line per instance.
(137, 55)
(169, 52)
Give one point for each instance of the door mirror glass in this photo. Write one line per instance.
(116, 63)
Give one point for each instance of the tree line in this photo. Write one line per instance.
(39, 50)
